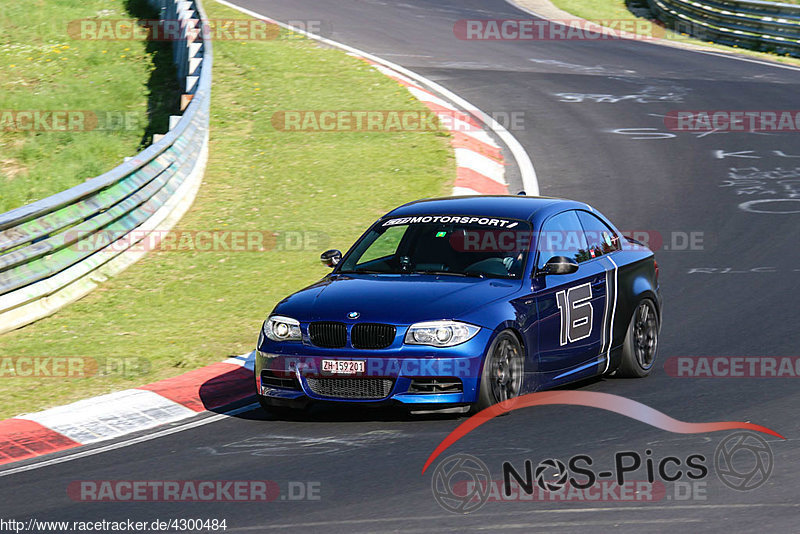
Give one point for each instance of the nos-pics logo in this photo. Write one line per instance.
(461, 483)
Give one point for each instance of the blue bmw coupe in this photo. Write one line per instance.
(465, 302)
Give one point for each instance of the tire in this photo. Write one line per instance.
(641, 342)
(503, 371)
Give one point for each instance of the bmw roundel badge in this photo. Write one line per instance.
(353, 315)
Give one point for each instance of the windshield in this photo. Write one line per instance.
(456, 245)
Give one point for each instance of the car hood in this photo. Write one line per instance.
(395, 299)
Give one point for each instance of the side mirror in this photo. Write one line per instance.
(331, 257)
(559, 265)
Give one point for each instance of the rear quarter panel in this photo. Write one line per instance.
(636, 279)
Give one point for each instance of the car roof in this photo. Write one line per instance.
(510, 206)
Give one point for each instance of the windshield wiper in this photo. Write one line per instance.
(452, 273)
(366, 271)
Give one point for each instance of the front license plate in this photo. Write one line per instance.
(343, 367)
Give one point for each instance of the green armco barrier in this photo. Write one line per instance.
(54, 250)
(758, 25)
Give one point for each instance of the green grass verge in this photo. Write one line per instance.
(182, 310)
(44, 68)
(617, 10)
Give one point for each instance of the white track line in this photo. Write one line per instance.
(133, 441)
(529, 181)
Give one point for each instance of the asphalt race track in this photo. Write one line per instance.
(366, 465)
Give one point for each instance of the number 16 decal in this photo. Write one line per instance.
(576, 313)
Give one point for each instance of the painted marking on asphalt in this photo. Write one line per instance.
(272, 445)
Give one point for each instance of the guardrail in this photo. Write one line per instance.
(56, 250)
(765, 26)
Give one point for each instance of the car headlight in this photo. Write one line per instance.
(440, 333)
(279, 328)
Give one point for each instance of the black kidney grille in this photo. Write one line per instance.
(326, 334)
(372, 335)
(351, 388)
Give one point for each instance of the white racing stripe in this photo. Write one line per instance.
(613, 313)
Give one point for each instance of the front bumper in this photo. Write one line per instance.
(417, 374)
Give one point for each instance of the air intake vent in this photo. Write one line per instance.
(351, 388)
(372, 335)
(435, 385)
(328, 334)
(269, 380)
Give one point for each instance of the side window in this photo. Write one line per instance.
(600, 238)
(562, 235)
(385, 245)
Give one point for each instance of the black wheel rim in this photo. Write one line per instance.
(645, 335)
(506, 370)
